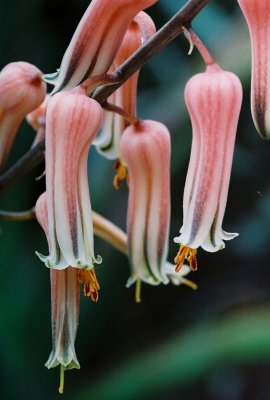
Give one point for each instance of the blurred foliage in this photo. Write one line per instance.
(210, 344)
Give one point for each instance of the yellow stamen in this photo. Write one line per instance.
(91, 285)
(138, 290)
(188, 283)
(186, 253)
(62, 379)
(121, 174)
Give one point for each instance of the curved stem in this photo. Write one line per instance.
(204, 52)
(131, 119)
(18, 216)
(109, 232)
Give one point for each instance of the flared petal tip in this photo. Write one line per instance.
(149, 280)
(177, 239)
(51, 78)
(70, 363)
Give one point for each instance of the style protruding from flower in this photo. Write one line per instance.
(146, 150)
(257, 14)
(213, 100)
(96, 41)
(72, 122)
(21, 91)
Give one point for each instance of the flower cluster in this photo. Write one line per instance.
(71, 121)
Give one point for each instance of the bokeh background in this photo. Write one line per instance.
(209, 344)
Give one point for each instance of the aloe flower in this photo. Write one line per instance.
(213, 100)
(21, 91)
(96, 41)
(72, 122)
(257, 14)
(146, 149)
(108, 142)
(65, 302)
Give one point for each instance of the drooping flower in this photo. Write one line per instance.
(96, 41)
(65, 303)
(108, 142)
(146, 149)
(21, 91)
(72, 122)
(257, 14)
(213, 100)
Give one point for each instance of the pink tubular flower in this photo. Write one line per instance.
(213, 100)
(72, 122)
(257, 14)
(21, 91)
(108, 143)
(96, 41)
(146, 149)
(65, 301)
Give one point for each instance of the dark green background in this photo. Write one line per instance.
(209, 344)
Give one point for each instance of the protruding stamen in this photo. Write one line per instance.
(121, 174)
(91, 286)
(62, 379)
(186, 253)
(138, 291)
(188, 283)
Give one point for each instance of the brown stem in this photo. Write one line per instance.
(23, 166)
(131, 119)
(151, 47)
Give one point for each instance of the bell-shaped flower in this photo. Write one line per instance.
(146, 149)
(96, 41)
(65, 302)
(108, 142)
(213, 100)
(257, 14)
(21, 91)
(72, 121)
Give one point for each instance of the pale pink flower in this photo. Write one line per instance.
(146, 149)
(213, 100)
(257, 14)
(21, 91)
(96, 41)
(72, 122)
(65, 301)
(108, 142)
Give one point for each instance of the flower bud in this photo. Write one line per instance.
(257, 14)
(21, 91)
(213, 100)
